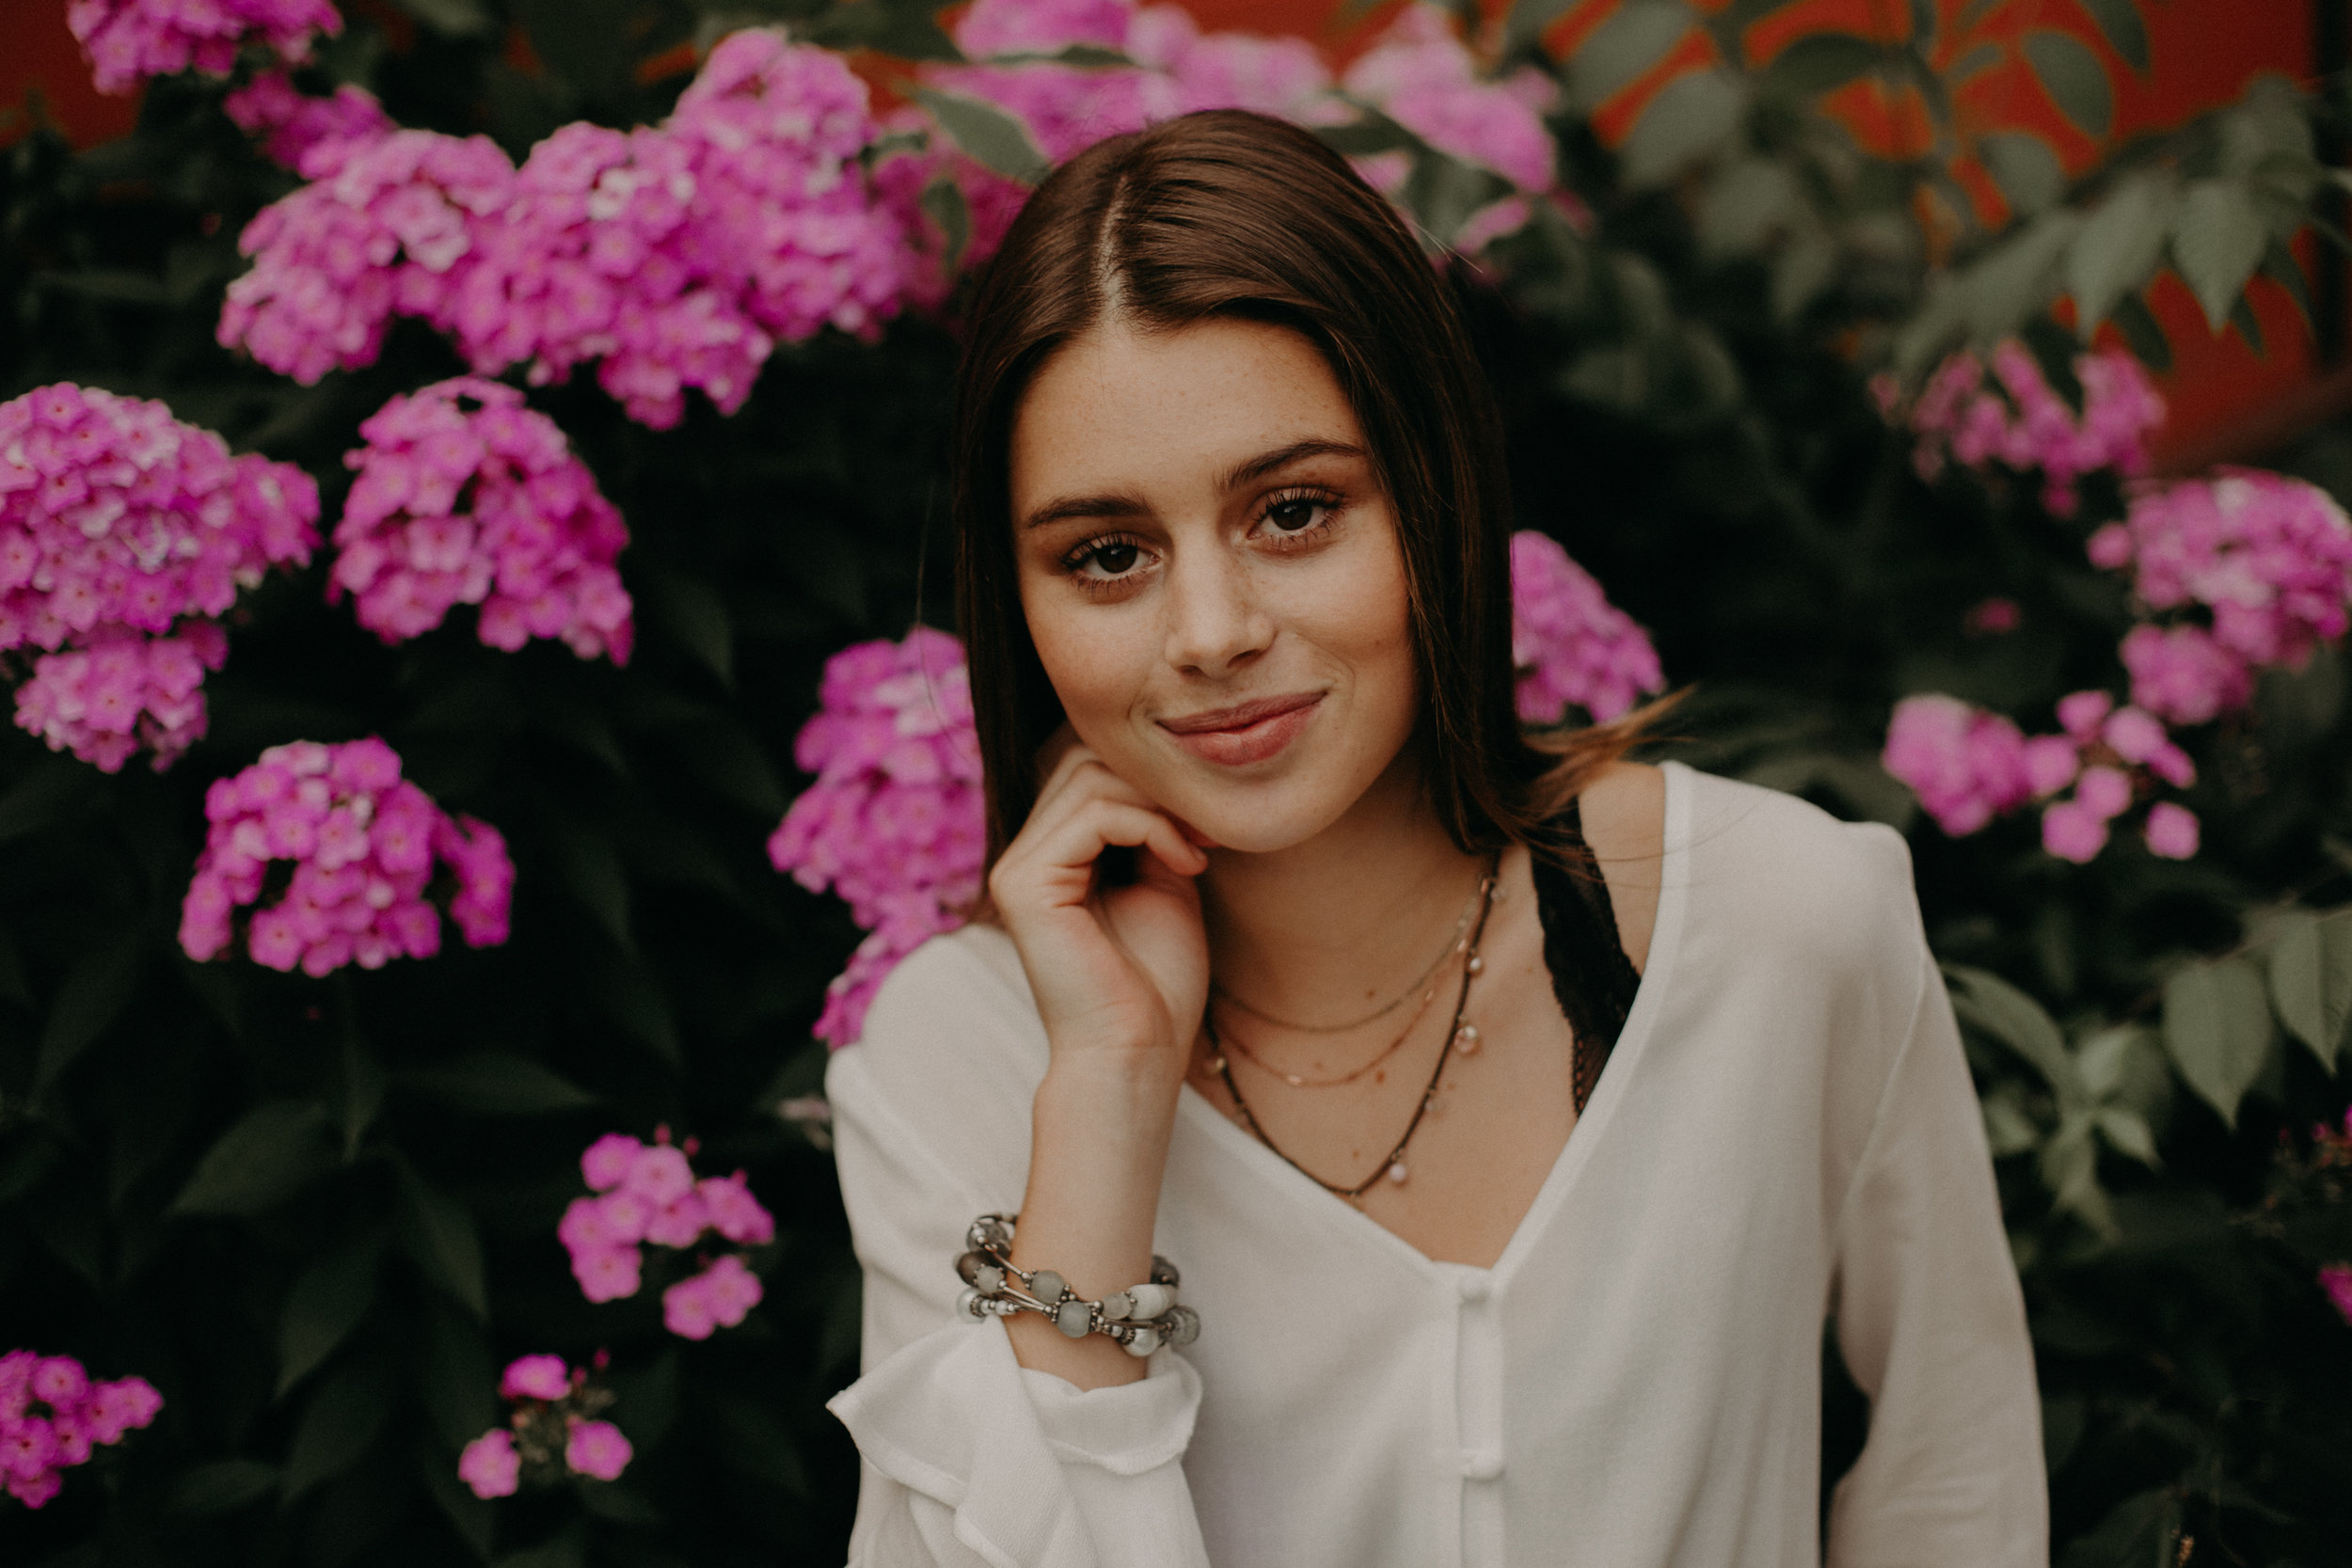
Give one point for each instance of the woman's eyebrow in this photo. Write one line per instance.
(1282, 457)
(1067, 507)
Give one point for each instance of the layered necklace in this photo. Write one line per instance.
(1461, 1037)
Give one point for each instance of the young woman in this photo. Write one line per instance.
(1510, 1196)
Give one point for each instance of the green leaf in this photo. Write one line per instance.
(325, 1305)
(1689, 118)
(903, 31)
(628, 995)
(456, 17)
(1979, 59)
(456, 1377)
(2280, 267)
(567, 1550)
(2217, 1030)
(91, 997)
(2026, 168)
(2142, 332)
(222, 1487)
(2118, 249)
(944, 204)
(687, 608)
(2218, 241)
(592, 873)
(1999, 1010)
(1522, 30)
(724, 758)
(2119, 20)
(611, 1500)
(437, 1231)
(471, 1516)
(342, 1419)
(1620, 49)
(277, 1150)
(988, 133)
(2311, 982)
(2017, 277)
(2073, 78)
(494, 1084)
(1818, 62)
(45, 795)
(2249, 326)
(2127, 1133)
(750, 1435)
(1745, 203)
(2139, 1533)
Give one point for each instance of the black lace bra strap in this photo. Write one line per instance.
(1591, 976)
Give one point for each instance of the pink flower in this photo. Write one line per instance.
(605, 1163)
(1571, 646)
(2336, 1280)
(2172, 830)
(356, 894)
(893, 823)
(535, 1377)
(2073, 832)
(535, 548)
(124, 535)
(490, 1465)
(1422, 76)
(1967, 765)
(130, 40)
(607, 1272)
(679, 1224)
(292, 126)
(734, 1213)
(2182, 674)
(2021, 423)
(598, 1448)
(718, 1297)
(660, 1175)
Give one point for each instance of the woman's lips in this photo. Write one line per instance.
(1254, 732)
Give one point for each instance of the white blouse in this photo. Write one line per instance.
(1785, 1130)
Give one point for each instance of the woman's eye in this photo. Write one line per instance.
(1113, 557)
(1292, 515)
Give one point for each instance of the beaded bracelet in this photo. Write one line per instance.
(1140, 1318)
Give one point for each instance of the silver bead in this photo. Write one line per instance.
(1119, 1305)
(968, 1307)
(1466, 1039)
(1396, 1173)
(1181, 1326)
(1164, 1272)
(1048, 1287)
(1146, 1341)
(1151, 1300)
(989, 1278)
(1076, 1319)
(988, 1234)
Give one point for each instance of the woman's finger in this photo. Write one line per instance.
(1064, 851)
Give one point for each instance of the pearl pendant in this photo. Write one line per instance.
(1476, 965)
(1398, 1173)
(1466, 1039)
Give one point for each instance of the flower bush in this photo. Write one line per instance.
(322, 1209)
(124, 535)
(364, 845)
(53, 1413)
(130, 40)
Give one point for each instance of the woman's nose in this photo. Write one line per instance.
(1213, 621)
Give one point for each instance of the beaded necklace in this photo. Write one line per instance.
(1453, 946)
(1460, 1037)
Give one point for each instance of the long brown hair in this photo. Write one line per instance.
(1225, 212)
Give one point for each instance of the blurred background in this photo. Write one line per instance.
(1950, 396)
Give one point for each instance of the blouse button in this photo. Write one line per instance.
(1481, 1465)
(1474, 1287)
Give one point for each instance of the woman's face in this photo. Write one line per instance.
(1212, 577)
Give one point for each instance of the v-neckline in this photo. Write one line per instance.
(1664, 945)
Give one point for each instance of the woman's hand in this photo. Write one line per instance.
(1119, 969)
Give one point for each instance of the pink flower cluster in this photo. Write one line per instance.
(293, 124)
(649, 1192)
(122, 534)
(673, 256)
(1968, 765)
(1420, 75)
(551, 1430)
(364, 844)
(893, 823)
(466, 497)
(2021, 422)
(130, 40)
(2335, 1279)
(51, 1414)
(1571, 645)
(2268, 557)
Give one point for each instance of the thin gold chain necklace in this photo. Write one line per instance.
(1453, 946)
(1393, 1166)
(1300, 1081)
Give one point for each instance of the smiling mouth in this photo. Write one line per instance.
(1249, 733)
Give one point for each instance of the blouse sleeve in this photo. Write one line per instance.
(1932, 1325)
(969, 1458)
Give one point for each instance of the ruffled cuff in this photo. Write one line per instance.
(955, 1417)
